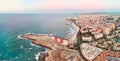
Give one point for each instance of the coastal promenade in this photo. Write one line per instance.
(76, 38)
(73, 38)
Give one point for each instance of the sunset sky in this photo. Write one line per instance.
(49, 6)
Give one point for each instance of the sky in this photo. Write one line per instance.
(58, 6)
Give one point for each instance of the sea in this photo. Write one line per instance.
(13, 48)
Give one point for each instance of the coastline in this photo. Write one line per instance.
(73, 37)
(54, 49)
(34, 41)
(37, 56)
(59, 51)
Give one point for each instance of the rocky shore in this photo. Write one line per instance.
(56, 51)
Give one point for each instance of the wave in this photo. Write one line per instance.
(43, 34)
(21, 46)
(70, 32)
(5, 60)
(19, 36)
(52, 34)
(29, 33)
(37, 56)
(34, 45)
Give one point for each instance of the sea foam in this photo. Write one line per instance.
(37, 56)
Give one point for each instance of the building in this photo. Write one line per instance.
(84, 30)
(87, 38)
(113, 26)
(94, 30)
(108, 55)
(60, 40)
(90, 52)
(99, 35)
(106, 30)
(116, 46)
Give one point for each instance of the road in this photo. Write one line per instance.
(79, 48)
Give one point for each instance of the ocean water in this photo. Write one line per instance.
(11, 25)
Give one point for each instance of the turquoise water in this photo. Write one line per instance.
(11, 25)
(118, 39)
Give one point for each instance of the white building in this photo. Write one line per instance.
(60, 40)
(99, 35)
(88, 38)
(90, 52)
